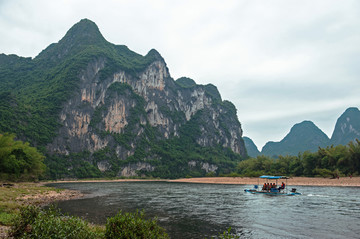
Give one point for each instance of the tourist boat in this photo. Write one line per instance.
(276, 191)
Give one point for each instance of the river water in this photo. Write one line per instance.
(205, 210)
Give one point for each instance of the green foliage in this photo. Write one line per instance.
(23, 220)
(230, 107)
(326, 162)
(74, 165)
(228, 235)
(132, 226)
(5, 218)
(323, 172)
(33, 222)
(185, 82)
(212, 90)
(18, 160)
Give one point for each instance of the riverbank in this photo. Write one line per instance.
(106, 180)
(295, 181)
(15, 195)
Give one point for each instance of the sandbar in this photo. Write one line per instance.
(295, 181)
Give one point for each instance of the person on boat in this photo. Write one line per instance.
(282, 187)
(267, 186)
(264, 187)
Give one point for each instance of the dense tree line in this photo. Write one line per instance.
(331, 161)
(18, 160)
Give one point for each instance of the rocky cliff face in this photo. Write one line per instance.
(161, 96)
(127, 112)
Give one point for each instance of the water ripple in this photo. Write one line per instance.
(205, 210)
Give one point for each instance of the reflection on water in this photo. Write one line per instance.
(205, 210)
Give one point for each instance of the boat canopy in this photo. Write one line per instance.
(273, 177)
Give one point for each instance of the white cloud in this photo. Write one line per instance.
(279, 61)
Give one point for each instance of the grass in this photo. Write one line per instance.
(12, 198)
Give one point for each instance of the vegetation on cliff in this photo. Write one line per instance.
(34, 93)
(170, 157)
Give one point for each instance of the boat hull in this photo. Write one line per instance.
(272, 193)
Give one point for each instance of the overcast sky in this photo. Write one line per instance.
(279, 61)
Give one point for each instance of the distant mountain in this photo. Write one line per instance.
(347, 127)
(302, 137)
(251, 148)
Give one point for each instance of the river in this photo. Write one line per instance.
(204, 210)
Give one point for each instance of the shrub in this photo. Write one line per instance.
(133, 225)
(33, 222)
(323, 172)
(228, 235)
(5, 218)
(23, 221)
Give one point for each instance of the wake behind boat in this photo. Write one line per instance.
(272, 188)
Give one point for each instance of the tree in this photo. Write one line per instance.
(18, 160)
(354, 155)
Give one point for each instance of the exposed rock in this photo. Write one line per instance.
(204, 166)
(209, 167)
(115, 119)
(132, 169)
(192, 164)
(103, 166)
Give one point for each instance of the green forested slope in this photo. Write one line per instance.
(34, 91)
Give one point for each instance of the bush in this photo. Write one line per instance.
(33, 222)
(133, 225)
(23, 221)
(228, 235)
(323, 172)
(5, 218)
